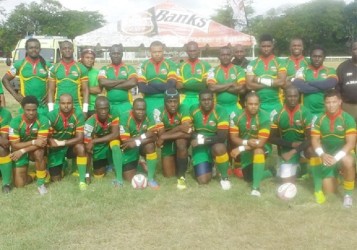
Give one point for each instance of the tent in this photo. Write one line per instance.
(168, 23)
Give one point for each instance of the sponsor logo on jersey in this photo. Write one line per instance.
(71, 125)
(163, 71)
(233, 76)
(124, 73)
(212, 123)
(199, 71)
(253, 127)
(339, 128)
(298, 122)
(349, 74)
(42, 71)
(75, 73)
(323, 75)
(273, 68)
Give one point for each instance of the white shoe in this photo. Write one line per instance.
(255, 193)
(42, 189)
(226, 184)
(347, 201)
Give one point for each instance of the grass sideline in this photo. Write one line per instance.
(201, 217)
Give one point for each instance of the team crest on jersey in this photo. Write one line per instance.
(249, 69)
(34, 130)
(123, 73)
(42, 71)
(144, 126)
(298, 122)
(199, 71)
(253, 127)
(163, 71)
(71, 125)
(74, 73)
(323, 75)
(212, 123)
(177, 121)
(233, 76)
(339, 128)
(273, 68)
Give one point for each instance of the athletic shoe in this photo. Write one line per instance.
(109, 168)
(6, 188)
(42, 189)
(75, 173)
(238, 172)
(181, 183)
(83, 186)
(117, 184)
(153, 184)
(255, 192)
(320, 197)
(225, 184)
(347, 201)
(230, 171)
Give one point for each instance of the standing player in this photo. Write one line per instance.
(68, 77)
(249, 132)
(290, 131)
(5, 160)
(33, 72)
(101, 134)
(88, 59)
(118, 78)
(155, 76)
(2, 97)
(347, 82)
(315, 80)
(227, 81)
(66, 139)
(296, 63)
(137, 136)
(28, 139)
(210, 123)
(173, 137)
(266, 75)
(239, 59)
(333, 138)
(192, 75)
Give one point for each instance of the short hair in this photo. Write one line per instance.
(119, 46)
(156, 43)
(331, 93)
(101, 99)
(205, 91)
(266, 38)
(252, 94)
(87, 51)
(226, 47)
(171, 93)
(30, 99)
(139, 100)
(318, 47)
(291, 87)
(61, 43)
(31, 40)
(66, 94)
(191, 43)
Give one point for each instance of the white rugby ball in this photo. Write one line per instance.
(139, 181)
(287, 191)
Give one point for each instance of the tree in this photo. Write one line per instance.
(350, 13)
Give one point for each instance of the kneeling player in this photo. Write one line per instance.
(28, 138)
(250, 131)
(5, 160)
(173, 136)
(66, 139)
(210, 123)
(137, 139)
(101, 133)
(333, 137)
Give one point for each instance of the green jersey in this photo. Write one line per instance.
(33, 77)
(65, 127)
(130, 127)
(208, 124)
(23, 130)
(333, 129)
(163, 119)
(223, 75)
(69, 77)
(158, 73)
(315, 101)
(118, 72)
(1, 89)
(94, 128)
(92, 82)
(5, 118)
(293, 64)
(267, 68)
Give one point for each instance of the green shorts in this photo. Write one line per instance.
(130, 155)
(232, 108)
(189, 100)
(295, 159)
(168, 149)
(329, 172)
(117, 109)
(269, 107)
(23, 161)
(101, 151)
(246, 157)
(153, 103)
(57, 156)
(201, 154)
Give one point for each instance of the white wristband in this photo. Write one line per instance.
(33, 142)
(85, 107)
(60, 143)
(143, 136)
(22, 150)
(50, 106)
(201, 140)
(319, 151)
(266, 81)
(137, 142)
(340, 154)
(241, 148)
(245, 142)
(87, 175)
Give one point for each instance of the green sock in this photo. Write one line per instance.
(222, 162)
(317, 177)
(6, 169)
(258, 169)
(151, 160)
(82, 168)
(118, 163)
(40, 175)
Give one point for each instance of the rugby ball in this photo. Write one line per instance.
(287, 191)
(139, 181)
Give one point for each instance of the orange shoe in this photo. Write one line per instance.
(238, 172)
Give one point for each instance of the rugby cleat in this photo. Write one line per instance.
(347, 201)
(42, 189)
(225, 184)
(320, 197)
(153, 184)
(181, 183)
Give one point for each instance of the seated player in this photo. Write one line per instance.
(5, 160)
(28, 139)
(290, 131)
(173, 136)
(210, 123)
(138, 139)
(101, 139)
(249, 132)
(333, 137)
(66, 139)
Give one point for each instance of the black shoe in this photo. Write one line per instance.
(6, 189)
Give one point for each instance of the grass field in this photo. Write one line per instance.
(201, 217)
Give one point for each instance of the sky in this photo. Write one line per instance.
(112, 10)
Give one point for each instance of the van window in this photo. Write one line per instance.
(47, 54)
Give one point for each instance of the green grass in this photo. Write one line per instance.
(201, 217)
